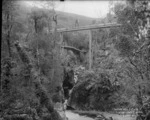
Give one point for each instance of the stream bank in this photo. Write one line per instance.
(91, 115)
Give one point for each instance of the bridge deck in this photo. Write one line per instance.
(89, 27)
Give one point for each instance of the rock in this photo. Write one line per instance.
(63, 115)
(65, 104)
(100, 117)
(59, 107)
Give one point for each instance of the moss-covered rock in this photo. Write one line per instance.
(92, 91)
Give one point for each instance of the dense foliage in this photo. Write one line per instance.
(28, 81)
(123, 54)
(93, 91)
(34, 67)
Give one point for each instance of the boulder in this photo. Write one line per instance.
(59, 107)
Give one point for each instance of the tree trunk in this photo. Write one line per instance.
(8, 34)
(8, 44)
(39, 89)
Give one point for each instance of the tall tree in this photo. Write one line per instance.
(133, 43)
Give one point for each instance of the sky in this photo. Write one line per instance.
(93, 9)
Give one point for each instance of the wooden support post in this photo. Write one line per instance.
(61, 38)
(90, 49)
(61, 42)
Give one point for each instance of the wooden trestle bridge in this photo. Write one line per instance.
(82, 28)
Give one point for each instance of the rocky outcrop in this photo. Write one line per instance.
(68, 82)
(92, 92)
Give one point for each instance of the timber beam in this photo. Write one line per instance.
(80, 28)
(73, 49)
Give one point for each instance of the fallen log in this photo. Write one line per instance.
(40, 91)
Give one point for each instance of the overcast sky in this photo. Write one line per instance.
(94, 9)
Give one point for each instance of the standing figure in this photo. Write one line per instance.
(55, 18)
(77, 23)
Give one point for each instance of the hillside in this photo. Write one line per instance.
(68, 19)
(64, 19)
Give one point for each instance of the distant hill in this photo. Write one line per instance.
(64, 19)
(68, 19)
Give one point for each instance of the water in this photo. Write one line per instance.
(75, 116)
